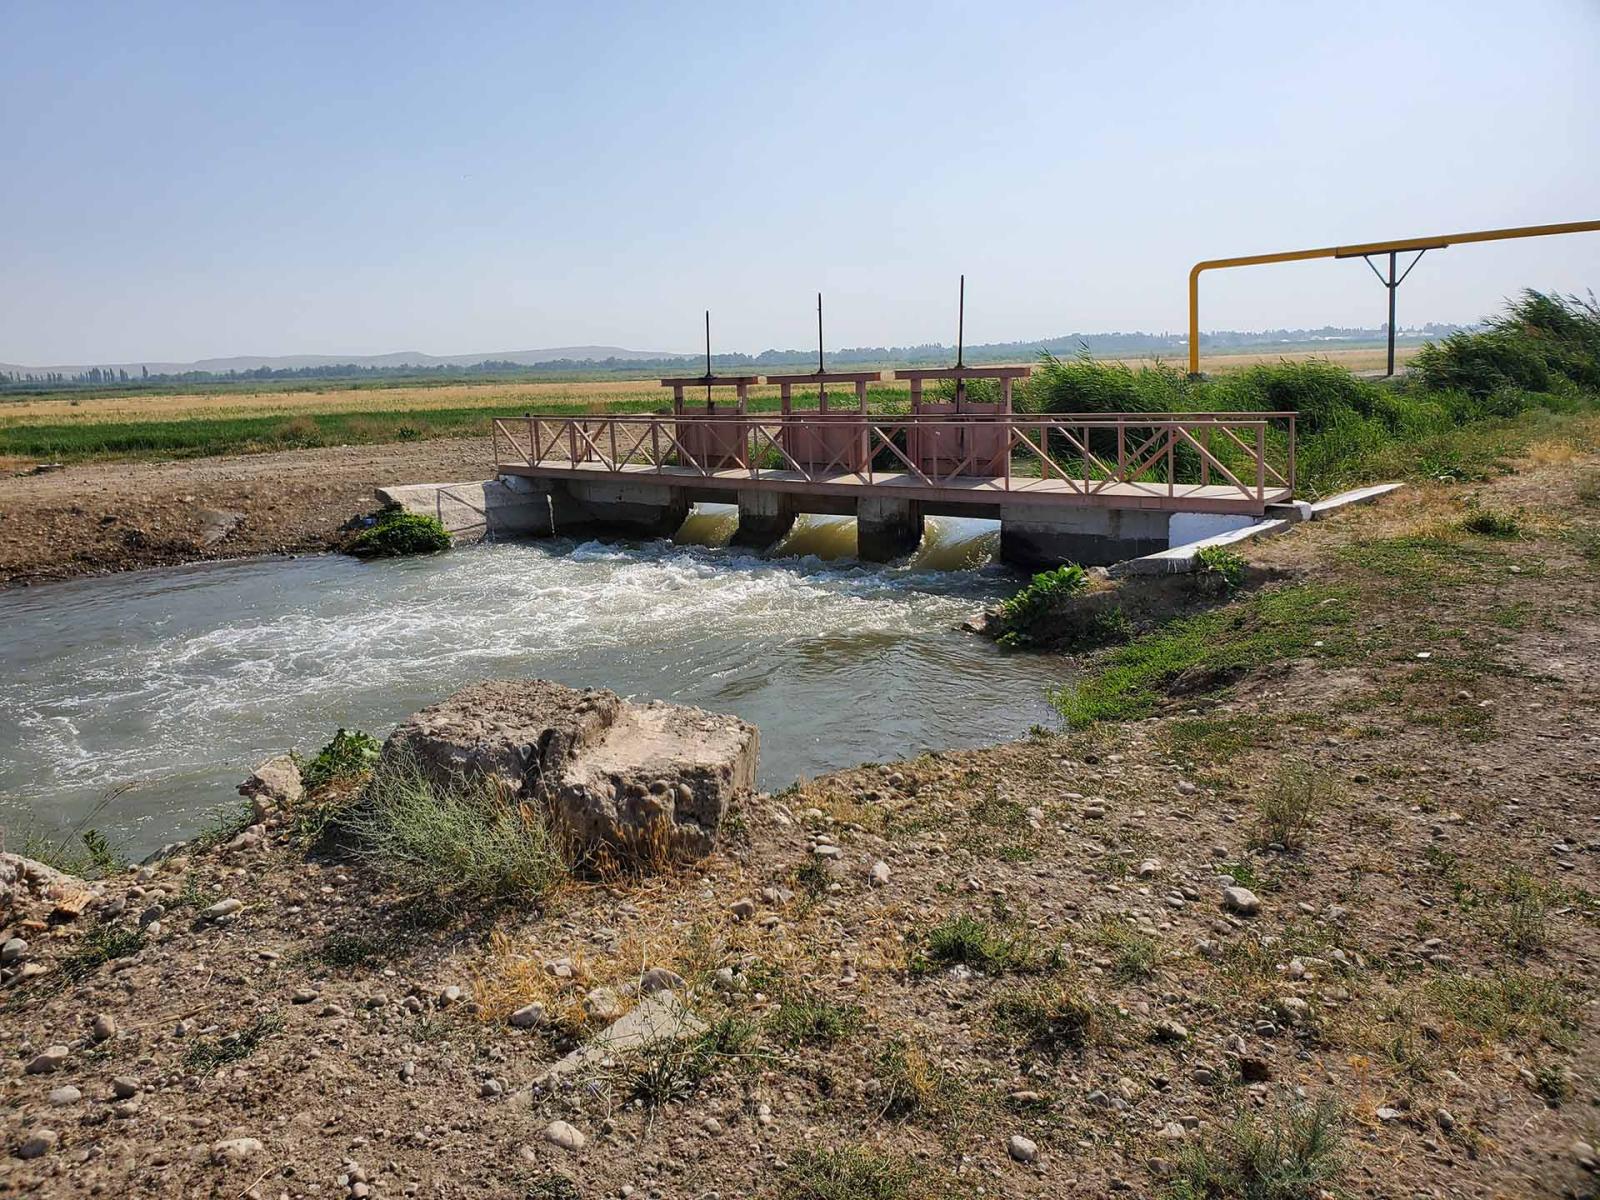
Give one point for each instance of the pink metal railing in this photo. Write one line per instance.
(1246, 454)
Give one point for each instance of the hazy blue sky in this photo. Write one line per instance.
(196, 179)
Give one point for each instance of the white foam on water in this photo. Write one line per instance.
(178, 681)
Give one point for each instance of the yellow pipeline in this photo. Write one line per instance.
(1421, 243)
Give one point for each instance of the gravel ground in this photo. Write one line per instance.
(1419, 954)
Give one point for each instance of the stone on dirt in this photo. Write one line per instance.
(50, 1059)
(1240, 900)
(277, 780)
(235, 1150)
(38, 1143)
(561, 1134)
(1022, 1149)
(615, 774)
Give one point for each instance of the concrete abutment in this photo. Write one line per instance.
(1034, 537)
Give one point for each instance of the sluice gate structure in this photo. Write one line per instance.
(1087, 488)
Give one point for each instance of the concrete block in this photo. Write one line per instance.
(764, 518)
(887, 529)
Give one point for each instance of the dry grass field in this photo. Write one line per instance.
(498, 396)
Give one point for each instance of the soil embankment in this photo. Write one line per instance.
(1340, 900)
(97, 518)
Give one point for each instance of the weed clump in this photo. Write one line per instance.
(1134, 955)
(850, 1173)
(1288, 809)
(1486, 522)
(349, 756)
(1052, 1017)
(671, 1069)
(910, 1083)
(100, 945)
(467, 840)
(966, 941)
(1225, 566)
(397, 533)
(1288, 1154)
(804, 1017)
(206, 1056)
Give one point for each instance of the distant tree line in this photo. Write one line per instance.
(1098, 344)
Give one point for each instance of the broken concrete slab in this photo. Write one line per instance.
(617, 776)
(659, 1017)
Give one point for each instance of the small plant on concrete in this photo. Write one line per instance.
(1286, 1154)
(1225, 566)
(397, 532)
(1289, 807)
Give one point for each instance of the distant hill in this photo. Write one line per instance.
(295, 362)
(617, 362)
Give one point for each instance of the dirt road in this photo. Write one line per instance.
(96, 518)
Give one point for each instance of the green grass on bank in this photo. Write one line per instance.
(1453, 415)
(1201, 653)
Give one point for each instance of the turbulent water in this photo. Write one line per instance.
(166, 686)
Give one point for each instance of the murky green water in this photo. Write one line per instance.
(173, 683)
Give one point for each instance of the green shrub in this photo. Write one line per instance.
(1026, 616)
(1542, 344)
(1222, 564)
(350, 755)
(398, 532)
(467, 841)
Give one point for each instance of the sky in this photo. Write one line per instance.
(190, 180)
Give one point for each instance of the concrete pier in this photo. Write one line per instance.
(764, 518)
(887, 529)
